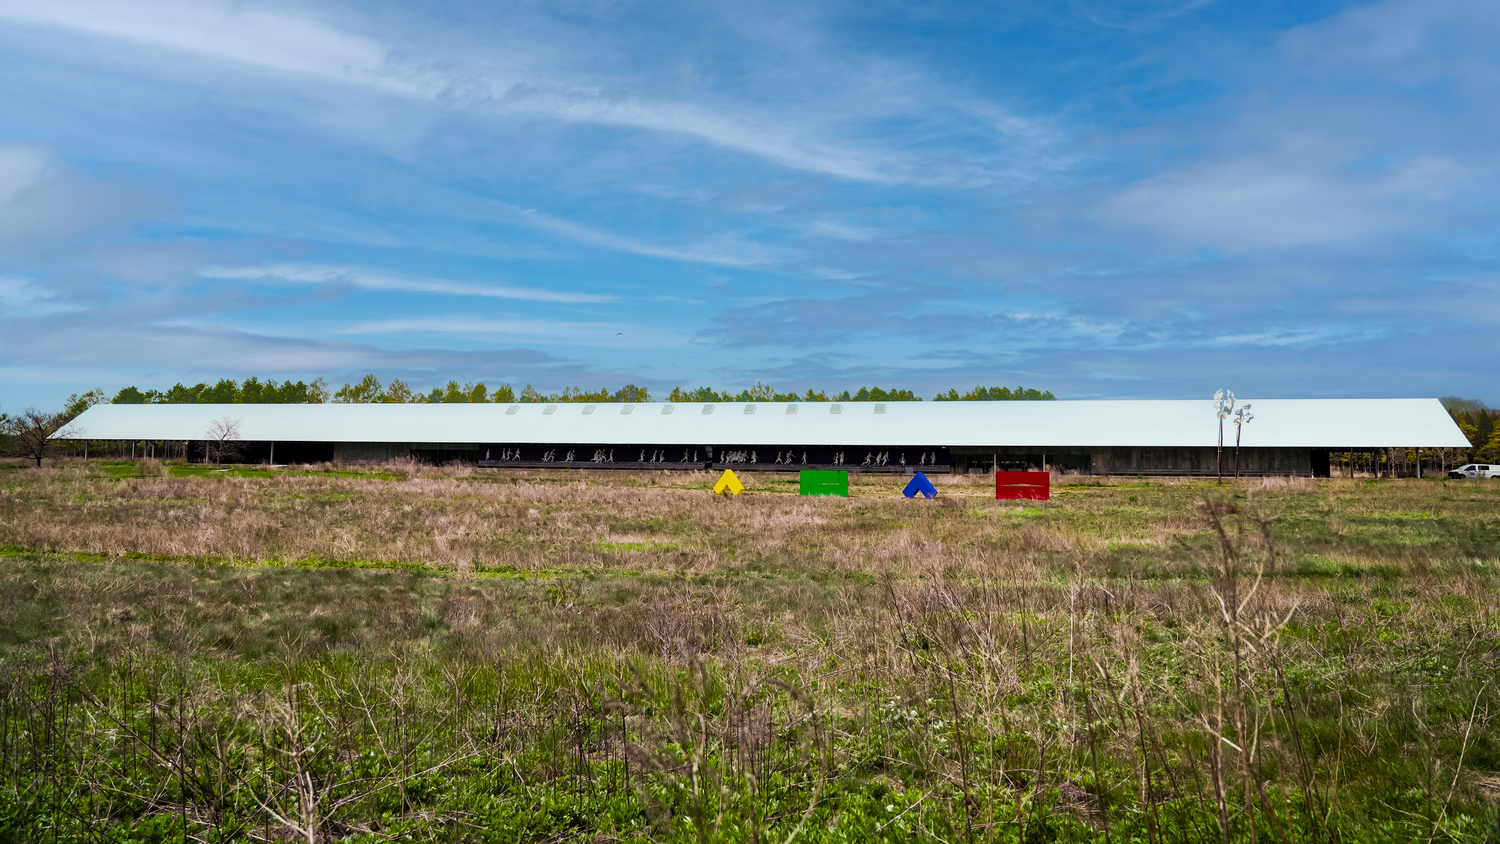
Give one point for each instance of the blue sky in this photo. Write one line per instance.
(1111, 200)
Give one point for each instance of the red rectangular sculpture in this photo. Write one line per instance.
(1036, 486)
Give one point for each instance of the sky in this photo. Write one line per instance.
(1107, 200)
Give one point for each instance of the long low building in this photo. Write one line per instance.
(1286, 437)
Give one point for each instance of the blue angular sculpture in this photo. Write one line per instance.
(919, 483)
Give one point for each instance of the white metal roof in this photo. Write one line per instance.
(1290, 423)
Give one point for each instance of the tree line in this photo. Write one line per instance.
(227, 391)
(1479, 423)
(370, 390)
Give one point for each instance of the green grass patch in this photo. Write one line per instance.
(1313, 565)
(637, 547)
(199, 470)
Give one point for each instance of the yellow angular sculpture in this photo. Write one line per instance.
(729, 484)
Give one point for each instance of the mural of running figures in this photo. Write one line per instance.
(770, 457)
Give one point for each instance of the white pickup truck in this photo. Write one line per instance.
(1476, 470)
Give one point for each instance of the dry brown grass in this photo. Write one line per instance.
(1109, 656)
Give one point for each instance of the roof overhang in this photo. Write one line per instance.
(1335, 424)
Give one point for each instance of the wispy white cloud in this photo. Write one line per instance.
(41, 200)
(21, 167)
(1300, 336)
(371, 280)
(21, 298)
(60, 343)
(1402, 43)
(834, 229)
(249, 35)
(724, 250)
(768, 139)
(513, 329)
(1286, 198)
(822, 131)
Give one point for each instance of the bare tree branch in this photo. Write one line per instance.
(35, 435)
(223, 439)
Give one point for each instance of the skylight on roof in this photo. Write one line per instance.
(551, 408)
(665, 409)
(835, 408)
(749, 408)
(626, 408)
(512, 409)
(707, 409)
(587, 409)
(791, 408)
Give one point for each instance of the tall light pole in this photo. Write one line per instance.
(1242, 418)
(1223, 406)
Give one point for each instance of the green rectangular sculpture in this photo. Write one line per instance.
(825, 482)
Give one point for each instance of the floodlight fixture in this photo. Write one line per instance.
(1242, 418)
(1223, 406)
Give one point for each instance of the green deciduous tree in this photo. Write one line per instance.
(878, 394)
(630, 394)
(470, 393)
(291, 393)
(253, 391)
(317, 391)
(79, 402)
(1490, 453)
(1484, 428)
(698, 394)
(1477, 422)
(225, 391)
(369, 390)
(131, 395)
(399, 392)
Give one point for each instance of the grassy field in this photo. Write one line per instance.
(447, 654)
